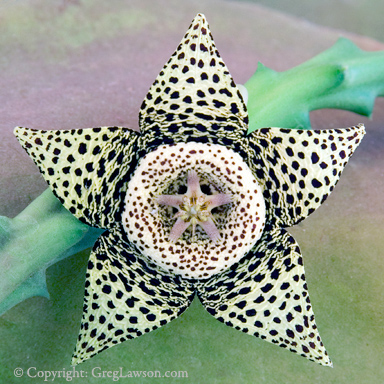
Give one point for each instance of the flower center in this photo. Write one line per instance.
(194, 209)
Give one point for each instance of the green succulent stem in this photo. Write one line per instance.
(41, 235)
(342, 77)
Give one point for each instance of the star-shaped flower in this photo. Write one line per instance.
(192, 204)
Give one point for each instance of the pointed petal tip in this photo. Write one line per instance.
(19, 131)
(24, 136)
(200, 17)
(75, 361)
(360, 132)
(361, 127)
(327, 362)
(199, 20)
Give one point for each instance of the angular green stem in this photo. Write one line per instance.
(342, 77)
(41, 235)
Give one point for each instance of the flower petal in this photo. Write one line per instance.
(266, 295)
(87, 169)
(194, 97)
(125, 297)
(298, 169)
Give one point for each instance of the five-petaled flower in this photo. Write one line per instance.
(194, 205)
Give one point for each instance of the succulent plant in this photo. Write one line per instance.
(342, 77)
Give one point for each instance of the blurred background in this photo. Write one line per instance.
(364, 17)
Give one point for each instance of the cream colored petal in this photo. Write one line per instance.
(299, 169)
(266, 295)
(125, 297)
(87, 169)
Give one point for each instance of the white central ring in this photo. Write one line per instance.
(145, 227)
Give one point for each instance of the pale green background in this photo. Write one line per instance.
(72, 64)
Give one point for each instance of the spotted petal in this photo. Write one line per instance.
(194, 98)
(87, 169)
(125, 297)
(266, 295)
(298, 169)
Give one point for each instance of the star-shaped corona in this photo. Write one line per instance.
(192, 204)
(194, 208)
